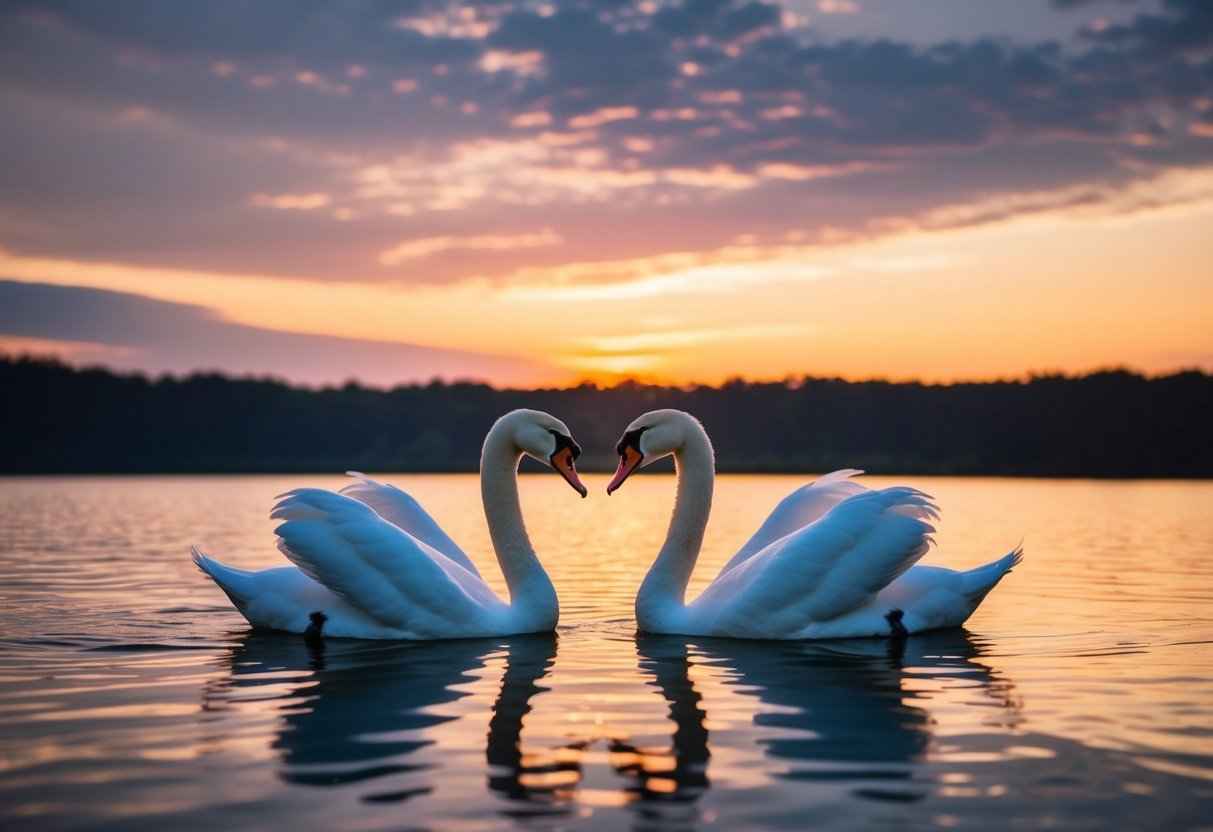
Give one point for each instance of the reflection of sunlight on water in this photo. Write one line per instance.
(579, 735)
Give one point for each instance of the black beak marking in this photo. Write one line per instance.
(630, 438)
(562, 442)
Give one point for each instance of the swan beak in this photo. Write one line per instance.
(562, 461)
(629, 461)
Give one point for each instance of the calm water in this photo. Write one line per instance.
(133, 697)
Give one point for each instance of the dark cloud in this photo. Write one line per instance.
(1182, 27)
(124, 64)
(319, 30)
(156, 336)
(589, 63)
(1074, 4)
(593, 56)
(719, 20)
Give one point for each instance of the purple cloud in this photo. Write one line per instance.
(131, 331)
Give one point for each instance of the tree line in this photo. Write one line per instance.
(1116, 423)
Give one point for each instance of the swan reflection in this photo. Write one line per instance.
(844, 712)
(355, 711)
(844, 720)
(667, 781)
(516, 773)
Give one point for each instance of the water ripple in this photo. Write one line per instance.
(133, 697)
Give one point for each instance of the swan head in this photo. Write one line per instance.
(545, 438)
(654, 435)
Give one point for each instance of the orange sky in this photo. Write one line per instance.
(1053, 293)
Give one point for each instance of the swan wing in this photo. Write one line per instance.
(800, 508)
(377, 566)
(400, 509)
(825, 569)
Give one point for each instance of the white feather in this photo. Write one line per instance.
(378, 566)
(401, 510)
(831, 560)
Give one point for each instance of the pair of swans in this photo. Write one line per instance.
(833, 560)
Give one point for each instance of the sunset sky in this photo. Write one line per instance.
(544, 192)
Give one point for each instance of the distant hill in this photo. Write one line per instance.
(56, 419)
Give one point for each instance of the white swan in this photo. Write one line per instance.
(376, 565)
(833, 560)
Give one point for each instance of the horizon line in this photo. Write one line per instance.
(790, 380)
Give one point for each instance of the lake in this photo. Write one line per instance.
(134, 697)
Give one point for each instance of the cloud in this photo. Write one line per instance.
(643, 352)
(837, 6)
(1182, 27)
(1179, 191)
(723, 270)
(682, 339)
(1073, 4)
(164, 134)
(291, 202)
(602, 116)
(131, 331)
(434, 245)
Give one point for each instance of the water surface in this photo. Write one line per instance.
(132, 696)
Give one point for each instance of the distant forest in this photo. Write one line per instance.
(57, 419)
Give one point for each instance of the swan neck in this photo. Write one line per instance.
(671, 572)
(524, 575)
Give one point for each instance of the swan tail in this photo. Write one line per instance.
(978, 582)
(237, 584)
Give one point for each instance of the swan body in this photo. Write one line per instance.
(833, 559)
(376, 565)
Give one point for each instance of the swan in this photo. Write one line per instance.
(374, 564)
(832, 561)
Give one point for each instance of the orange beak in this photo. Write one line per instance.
(629, 461)
(562, 461)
